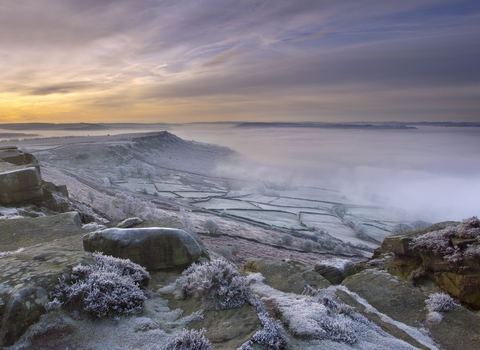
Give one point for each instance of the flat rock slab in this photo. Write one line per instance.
(151, 247)
(390, 295)
(288, 277)
(18, 233)
(27, 279)
(229, 329)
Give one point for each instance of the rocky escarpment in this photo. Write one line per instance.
(445, 255)
(21, 182)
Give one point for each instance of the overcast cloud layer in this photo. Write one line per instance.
(206, 60)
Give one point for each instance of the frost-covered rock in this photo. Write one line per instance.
(28, 277)
(130, 222)
(289, 277)
(152, 247)
(335, 270)
(390, 295)
(20, 184)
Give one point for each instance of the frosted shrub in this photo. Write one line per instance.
(212, 228)
(217, 281)
(272, 336)
(110, 287)
(440, 302)
(436, 242)
(307, 245)
(439, 243)
(189, 340)
(187, 223)
(339, 249)
(287, 239)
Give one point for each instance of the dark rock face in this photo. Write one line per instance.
(288, 277)
(151, 247)
(27, 279)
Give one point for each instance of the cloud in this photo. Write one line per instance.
(65, 88)
(267, 54)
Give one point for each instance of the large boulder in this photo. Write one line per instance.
(335, 270)
(27, 279)
(286, 276)
(151, 247)
(19, 184)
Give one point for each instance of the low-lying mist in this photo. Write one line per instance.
(431, 172)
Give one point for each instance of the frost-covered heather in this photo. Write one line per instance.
(110, 287)
(217, 281)
(272, 336)
(190, 339)
(439, 242)
(437, 304)
(4, 254)
(440, 302)
(323, 322)
(211, 227)
(186, 222)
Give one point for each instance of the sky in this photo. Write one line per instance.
(178, 61)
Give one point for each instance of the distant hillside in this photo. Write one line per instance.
(370, 126)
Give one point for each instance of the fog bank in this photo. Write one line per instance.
(431, 172)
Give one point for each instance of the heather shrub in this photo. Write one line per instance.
(307, 245)
(110, 287)
(440, 243)
(287, 239)
(339, 249)
(440, 302)
(272, 336)
(212, 228)
(190, 339)
(217, 282)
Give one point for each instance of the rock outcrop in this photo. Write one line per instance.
(151, 247)
(21, 182)
(335, 270)
(402, 302)
(447, 254)
(286, 276)
(27, 279)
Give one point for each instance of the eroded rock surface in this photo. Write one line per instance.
(288, 277)
(27, 279)
(151, 247)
